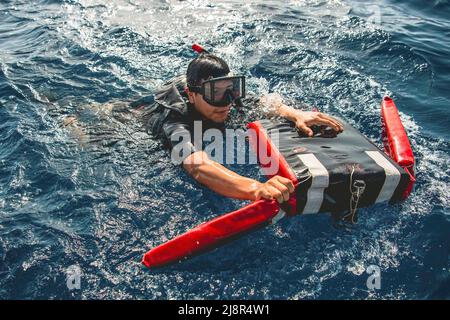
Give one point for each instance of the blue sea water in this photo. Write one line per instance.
(100, 193)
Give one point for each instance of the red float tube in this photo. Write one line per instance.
(274, 157)
(212, 234)
(395, 140)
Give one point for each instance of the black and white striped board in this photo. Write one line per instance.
(323, 165)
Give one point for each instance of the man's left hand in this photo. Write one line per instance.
(305, 119)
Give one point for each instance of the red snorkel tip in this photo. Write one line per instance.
(198, 48)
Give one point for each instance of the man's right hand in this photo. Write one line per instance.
(230, 184)
(278, 188)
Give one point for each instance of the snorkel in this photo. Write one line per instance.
(199, 49)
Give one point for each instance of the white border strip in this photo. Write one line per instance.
(392, 176)
(320, 181)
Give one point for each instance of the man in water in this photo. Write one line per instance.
(206, 94)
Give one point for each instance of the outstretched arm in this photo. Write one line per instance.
(273, 105)
(230, 184)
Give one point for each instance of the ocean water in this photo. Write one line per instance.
(83, 186)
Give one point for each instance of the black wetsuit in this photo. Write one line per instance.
(172, 114)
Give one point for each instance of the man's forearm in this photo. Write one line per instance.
(287, 112)
(219, 179)
(273, 106)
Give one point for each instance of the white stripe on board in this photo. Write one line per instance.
(320, 181)
(392, 176)
(280, 215)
